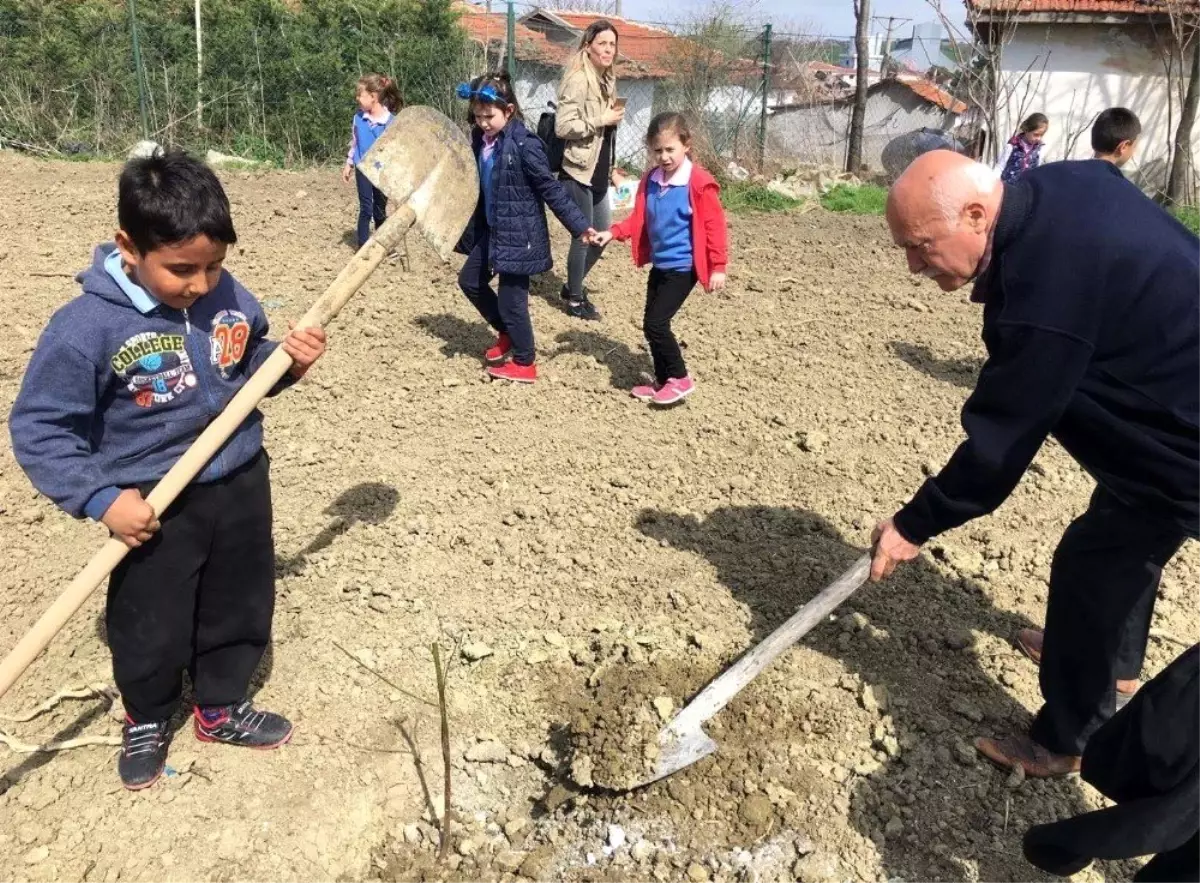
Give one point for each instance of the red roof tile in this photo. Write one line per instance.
(641, 47)
(1081, 7)
(932, 92)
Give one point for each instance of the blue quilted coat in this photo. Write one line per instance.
(522, 186)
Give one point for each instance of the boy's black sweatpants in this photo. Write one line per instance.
(198, 597)
(1103, 583)
(666, 291)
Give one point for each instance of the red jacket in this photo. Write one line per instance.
(710, 251)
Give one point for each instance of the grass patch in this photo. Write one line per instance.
(1189, 216)
(867, 199)
(744, 197)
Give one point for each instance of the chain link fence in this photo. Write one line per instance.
(276, 78)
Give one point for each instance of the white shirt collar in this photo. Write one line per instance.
(681, 178)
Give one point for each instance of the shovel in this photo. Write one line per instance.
(683, 741)
(422, 162)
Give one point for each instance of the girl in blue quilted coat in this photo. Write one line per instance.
(508, 235)
(1026, 148)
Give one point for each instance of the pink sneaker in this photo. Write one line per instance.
(645, 392)
(674, 390)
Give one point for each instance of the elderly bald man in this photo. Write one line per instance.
(1091, 319)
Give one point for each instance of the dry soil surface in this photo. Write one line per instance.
(587, 562)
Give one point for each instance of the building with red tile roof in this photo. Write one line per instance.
(1072, 59)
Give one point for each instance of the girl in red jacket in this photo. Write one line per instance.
(677, 226)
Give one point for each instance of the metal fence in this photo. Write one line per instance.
(274, 79)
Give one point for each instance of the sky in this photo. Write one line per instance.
(831, 18)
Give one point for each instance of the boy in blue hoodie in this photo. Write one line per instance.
(124, 378)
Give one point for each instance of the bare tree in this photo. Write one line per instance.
(995, 97)
(1183, 40)
(858, 116)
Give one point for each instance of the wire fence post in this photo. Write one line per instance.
(766, 94)
(137, 67)
(510, 41)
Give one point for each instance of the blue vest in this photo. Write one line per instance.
(365, 134)
(486, 185)
(669, 222)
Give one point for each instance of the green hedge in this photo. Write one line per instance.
(279, 77)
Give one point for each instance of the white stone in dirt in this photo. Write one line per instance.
(554, 639)
(468, 847)
(476, 651)
(616, 836)
(412, 833)
(642, 850)
(509, 860)
(145, 150)
(665, 706)
(964, 753)
(487, 752)
(219, 160)
(816, 868)
(513, 827)
(37, 854)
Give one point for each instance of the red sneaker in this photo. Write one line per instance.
(514, 372)
(500, 351)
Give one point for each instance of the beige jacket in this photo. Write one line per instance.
(583, 98)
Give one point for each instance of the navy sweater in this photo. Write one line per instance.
(1092, 326)
(520, 188)
(119, 386)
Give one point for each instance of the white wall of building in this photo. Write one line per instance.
(1071, 72)
(537, 86)
(819, 133)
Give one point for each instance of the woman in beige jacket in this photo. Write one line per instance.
(587, 118)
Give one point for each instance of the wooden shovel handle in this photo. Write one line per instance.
(269, 373)
(717, 694)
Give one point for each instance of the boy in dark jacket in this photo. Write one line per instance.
(123, 380)
(508, 234)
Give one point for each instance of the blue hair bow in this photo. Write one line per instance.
(487, 92)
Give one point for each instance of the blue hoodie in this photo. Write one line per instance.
(120, 385)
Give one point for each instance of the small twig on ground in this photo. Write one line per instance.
(1167, 636)
(104, 691)
(48, 275)
(20, 747)
(395, 687)
(444, 846)
(1007, 801)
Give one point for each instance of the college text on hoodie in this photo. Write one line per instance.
(119, 386)
(710, 249)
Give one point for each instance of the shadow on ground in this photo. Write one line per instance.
(960, 372)
(954, 817)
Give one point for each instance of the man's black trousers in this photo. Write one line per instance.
(1103, 583)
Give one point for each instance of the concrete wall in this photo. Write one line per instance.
(818, 134)
(537, 86)
(1071, 72)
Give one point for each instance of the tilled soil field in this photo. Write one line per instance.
(588, 563)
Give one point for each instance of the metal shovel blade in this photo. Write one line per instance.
(424, 162)
(683, 741)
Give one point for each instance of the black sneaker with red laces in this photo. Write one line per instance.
(242, 724)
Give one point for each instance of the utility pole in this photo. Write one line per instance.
(617, 8)
(766, 93)
(137, 66)
(511, 39)
(199, 69)
(887, 40)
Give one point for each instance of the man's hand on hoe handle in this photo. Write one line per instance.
(889, 548)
